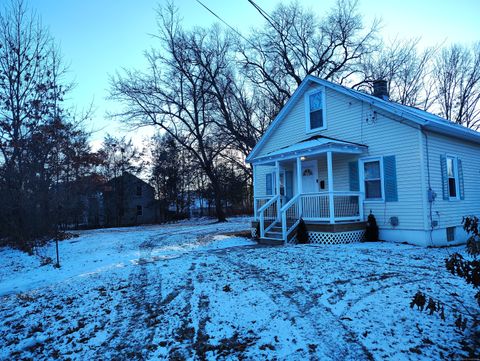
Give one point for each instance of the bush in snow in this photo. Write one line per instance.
(302, 234)
(371, 233)
(468, 269)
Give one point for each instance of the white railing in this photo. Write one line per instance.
(321, 206)
(268, 212)
(291, 214)
(346, 206)
(258, 202)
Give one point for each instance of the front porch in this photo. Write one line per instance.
(312, 182)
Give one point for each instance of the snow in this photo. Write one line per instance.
(199, 290)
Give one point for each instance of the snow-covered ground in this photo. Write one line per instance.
(197, 290)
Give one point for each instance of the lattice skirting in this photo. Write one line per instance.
(253, 232)
(336, 238)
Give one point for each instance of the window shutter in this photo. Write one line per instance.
(461, 185)
(390, 178)
(353, 174)
(289, 184)
(269, 183)
(443, 168)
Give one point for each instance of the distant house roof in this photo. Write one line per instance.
(127, 175)
(419, 117)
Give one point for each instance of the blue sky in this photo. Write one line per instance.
(99, 37)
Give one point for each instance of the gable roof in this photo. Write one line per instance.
(419, 117)
(128, 176)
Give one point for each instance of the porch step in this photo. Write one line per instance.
(274, 234)
(270, 241)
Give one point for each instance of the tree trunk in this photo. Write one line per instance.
(218, 201)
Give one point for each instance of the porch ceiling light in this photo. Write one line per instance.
(303, 158)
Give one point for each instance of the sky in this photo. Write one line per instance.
(101, 37)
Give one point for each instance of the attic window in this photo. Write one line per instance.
(315, 110)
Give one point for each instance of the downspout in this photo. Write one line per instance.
(431, 194)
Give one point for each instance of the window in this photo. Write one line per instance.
(372, 176)
(139, 210)
(452, 175)
(450, 234)
(139, 190)
(270, 184)
(315, 110)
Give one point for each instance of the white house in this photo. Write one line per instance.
(333, 155)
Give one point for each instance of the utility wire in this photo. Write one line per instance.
(277, 28)
(224, 22)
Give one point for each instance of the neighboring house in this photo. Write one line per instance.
(80, 202)
(333, 155)
(128, 200)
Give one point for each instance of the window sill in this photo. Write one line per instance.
(316, 130)
(454, 199)
(374, 200)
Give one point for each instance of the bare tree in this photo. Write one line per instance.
(175, 95)
(119, 155)
(294, 43)
(30, 92)
(407, 71)
(239, 110)
(457, 80)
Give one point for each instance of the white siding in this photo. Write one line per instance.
(260, 179)
(449, 213)
(352, 120)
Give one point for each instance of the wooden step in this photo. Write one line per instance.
(270, 241)
(276, 234)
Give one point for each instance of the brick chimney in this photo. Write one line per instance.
(380, 89)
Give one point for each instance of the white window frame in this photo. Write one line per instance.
(307, 110)
(455, 174)
(362, 162)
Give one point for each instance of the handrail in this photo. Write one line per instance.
(255, 204)
(337, 193)
(285, 208)
(262, 214)
(266, 205)
(289, 203)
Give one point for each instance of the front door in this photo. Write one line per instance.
(309, 176)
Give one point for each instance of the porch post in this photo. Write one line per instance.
(255, 210)
(299, 185)
(330, 187)
(277, 186)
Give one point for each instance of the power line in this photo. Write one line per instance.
(223, 21)
(276, 26)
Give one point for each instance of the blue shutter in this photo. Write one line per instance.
(353, 174)
(461, 185)
(390, 178)
(443, 168)
(269, 183)
(289, 184)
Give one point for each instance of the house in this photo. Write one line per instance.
(128, 201)
(80, 202)
(334, 155)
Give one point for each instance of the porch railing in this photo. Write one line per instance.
(291, 214)
(258, 202)
(322, 206)
(268, 213)
(347, 206)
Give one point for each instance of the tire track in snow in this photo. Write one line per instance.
(348, 347)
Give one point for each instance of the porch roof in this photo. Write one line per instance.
(314, 145)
